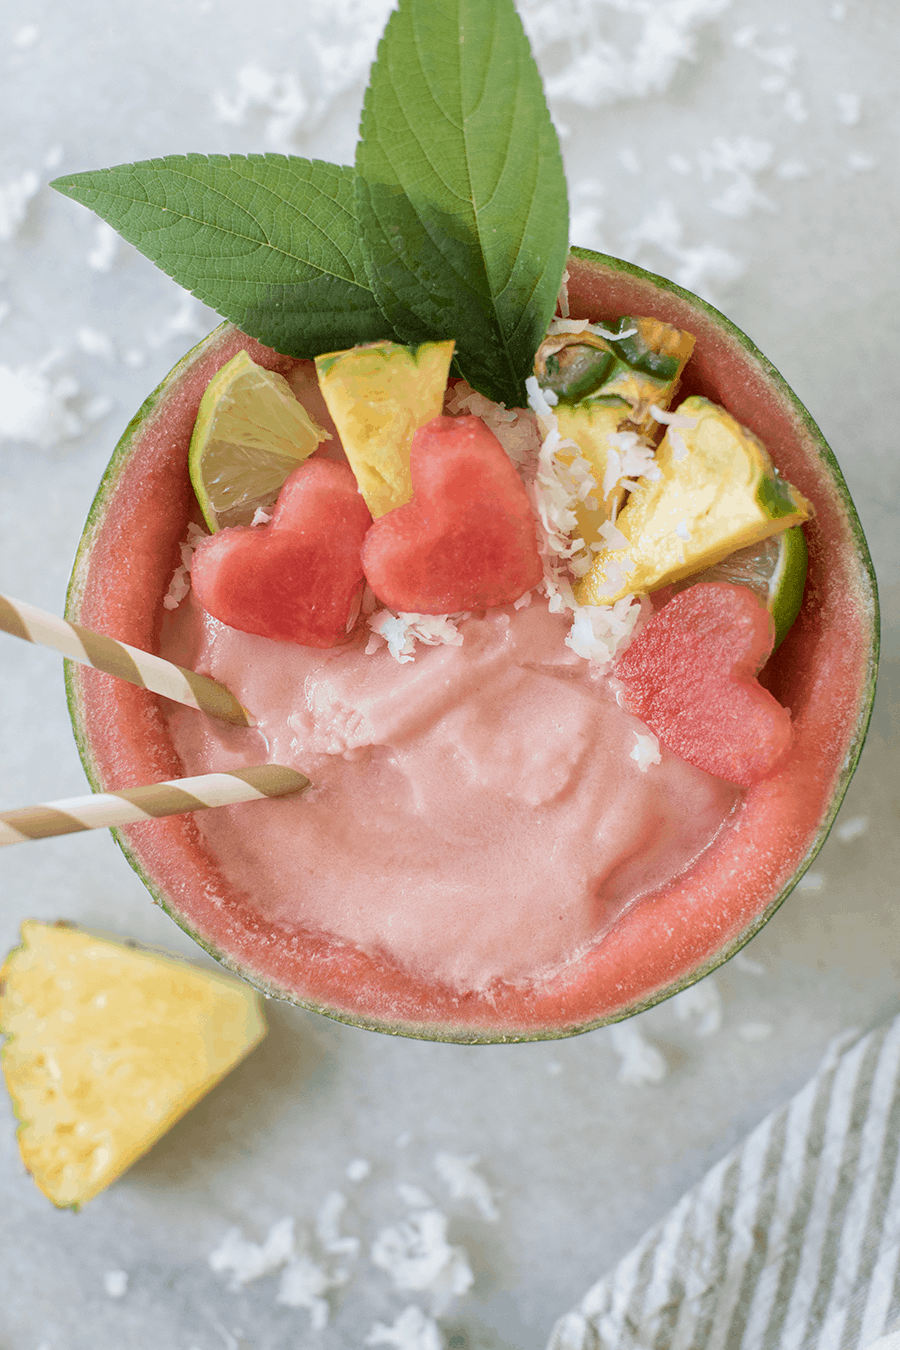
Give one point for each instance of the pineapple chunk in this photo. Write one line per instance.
(716, 492)
(379, 395)
(108, 1046)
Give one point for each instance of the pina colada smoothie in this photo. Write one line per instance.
(481, 813)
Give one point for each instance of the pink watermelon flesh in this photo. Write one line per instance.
(466, 540)
(690, 674)
(299, 578)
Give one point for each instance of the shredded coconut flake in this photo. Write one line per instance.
(755, 1031)
(180, 584)
(244, 1260)
(327, 1226)
(642, 1062)
(304, 1284)
(600, 632)
(646, 751)
(14, 198)
(280, 95)
(401, 632)
(673, 419)
(358, 1169)
(414, 1197)
(413, 1330)
(115, 1282)
(595, 70)
(33, 406)
(416, 1255)
(702, 1001)
(106, 245)
(466, 1184)
(741, 961)
(851, 829)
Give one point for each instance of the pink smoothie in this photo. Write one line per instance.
(476, 814)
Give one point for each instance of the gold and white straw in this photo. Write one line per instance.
(104, 810)
(117, 658)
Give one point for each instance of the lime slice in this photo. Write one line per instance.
(250, 434)
(774, 569)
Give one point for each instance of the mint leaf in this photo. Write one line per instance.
(461, 193)
(269, 241)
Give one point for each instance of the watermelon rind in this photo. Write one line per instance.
(597, 268)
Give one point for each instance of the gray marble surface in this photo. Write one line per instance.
(747, 149)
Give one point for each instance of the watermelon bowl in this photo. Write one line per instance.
(824, 672)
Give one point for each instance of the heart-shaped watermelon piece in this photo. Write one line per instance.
(690, 674)
(299, 578)
(466, 540)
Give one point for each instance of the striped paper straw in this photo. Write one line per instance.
(117, 658)
(103, 810)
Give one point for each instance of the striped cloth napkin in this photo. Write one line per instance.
(791, 1242)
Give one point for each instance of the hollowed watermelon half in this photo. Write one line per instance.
(824, 671)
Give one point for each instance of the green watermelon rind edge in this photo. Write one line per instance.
(471, 1035)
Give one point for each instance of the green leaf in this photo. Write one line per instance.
(461, 193)
(269, 241)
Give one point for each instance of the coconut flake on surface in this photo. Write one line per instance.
(741, 961)
(414, 1197)
(281, 95)
(700, 267)
(183, 322)
(358, 1169)
(464, 1183)
(744, 158)
(646, 751)
(755, 1031)
(600, 632)
(106, 245)
(328, 1226)
(95, 343)
(304, 1284)
(14, 198)
(642, 1062)
(401, 632)
(417, 1255)
(115, 1283)
(33, 405)
(703, 1001)
(585, 326)
(596, 70)
(791, 169)
(672, 419)
(851, 829)
(811, 881)
(26, 36)
(849, 108)
(413, 1330)
(244, 1260)
(180, 584)
(515, 428)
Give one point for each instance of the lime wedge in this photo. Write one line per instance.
(250, 434)
(774, 569)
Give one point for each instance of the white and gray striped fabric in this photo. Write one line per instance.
(791, 1242)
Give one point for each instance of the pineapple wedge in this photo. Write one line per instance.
(108, 1046)
(379, 395)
